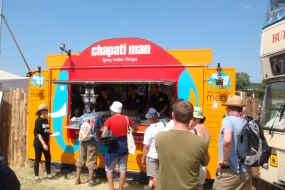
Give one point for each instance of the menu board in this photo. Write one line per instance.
(214, 95)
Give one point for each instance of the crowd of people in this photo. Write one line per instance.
(175, 154)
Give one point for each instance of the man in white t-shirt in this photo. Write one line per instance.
(169, 125)
(149, 156)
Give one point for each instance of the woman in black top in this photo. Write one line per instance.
(41, 141)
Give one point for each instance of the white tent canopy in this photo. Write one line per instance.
(9, 80)
(9, 76)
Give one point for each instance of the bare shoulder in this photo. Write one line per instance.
(203, 131)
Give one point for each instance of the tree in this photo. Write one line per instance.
(260, 90)
(242, 81)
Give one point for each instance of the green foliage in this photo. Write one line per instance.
(260, 90)
(242, 81)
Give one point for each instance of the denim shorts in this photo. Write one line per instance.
(122, 164)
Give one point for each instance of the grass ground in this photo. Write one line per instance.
(64, 181)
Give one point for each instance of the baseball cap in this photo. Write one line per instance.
(152, 113)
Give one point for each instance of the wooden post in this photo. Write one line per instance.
(24, 124)
(13, 118)
(6, 128)
(17, 136)
(255, 107)
(25, 121)
(11, 144)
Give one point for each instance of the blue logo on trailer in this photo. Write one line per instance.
(226, 81)
(38, 80)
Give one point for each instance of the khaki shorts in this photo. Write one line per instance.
(229, 180)
(87, 152)
(152, 167)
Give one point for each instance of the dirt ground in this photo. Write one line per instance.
(64, 181)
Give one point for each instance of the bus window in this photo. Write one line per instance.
(276, 12)
(273, 100)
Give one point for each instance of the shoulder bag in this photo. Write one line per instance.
(131, 142)
(108, 138)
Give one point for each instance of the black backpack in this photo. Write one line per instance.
(258, 150)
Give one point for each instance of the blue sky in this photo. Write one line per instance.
(232, 29)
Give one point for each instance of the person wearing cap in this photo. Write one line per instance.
(117, 153)
(180, 152)
(104, 100)
(149, 155)
(159, 101)
(41, 141)
(88, 149)
(197, 127)
(197, 124)
(231, 174)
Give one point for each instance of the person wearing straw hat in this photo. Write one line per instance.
(231, 174)
(41, 141)
(117, 153)
(196, 126)
(149, 155)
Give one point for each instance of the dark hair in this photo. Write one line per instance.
(155, 85)
(183, 111)
(39, 112)
(133, 86)
(234, 108)
(104, 88)
(203, 120)
(89, 106)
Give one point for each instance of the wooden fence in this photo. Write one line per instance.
(252, 104)
(13, 127)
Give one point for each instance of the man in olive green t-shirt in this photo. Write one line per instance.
(180, 152)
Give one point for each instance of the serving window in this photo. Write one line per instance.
(80, 93)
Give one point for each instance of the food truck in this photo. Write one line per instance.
(73, 79)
